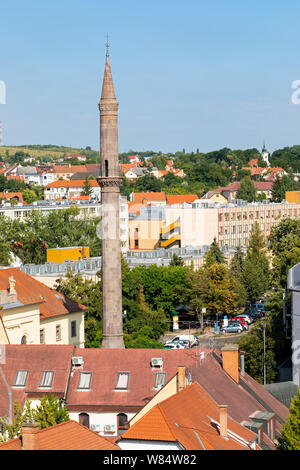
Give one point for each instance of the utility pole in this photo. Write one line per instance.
(264, 327)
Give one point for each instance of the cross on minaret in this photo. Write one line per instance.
(107, 45)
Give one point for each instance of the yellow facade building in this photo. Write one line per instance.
(59, 255)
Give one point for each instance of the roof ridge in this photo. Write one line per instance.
(166, 420)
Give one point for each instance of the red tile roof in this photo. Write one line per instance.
(181, 198)
(149, 196)
(134, 207)
(30, 291)
(69, 435)
(35, 358)
(189, 417)
(71, 184)
(8, 195)
(69, 168)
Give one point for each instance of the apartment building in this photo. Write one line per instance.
(198, 223)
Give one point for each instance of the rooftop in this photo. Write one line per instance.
(68, 435)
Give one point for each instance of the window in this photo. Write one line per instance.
(84, 419)
(21, 377)
(84, 380)
(73, 328)
(106, 167)
(47, 378)
(160, 379)
(122, 420)
(42, 336)
(24, 339)
(58, 332)
(122, 381)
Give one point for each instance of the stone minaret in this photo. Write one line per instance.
(110, 180)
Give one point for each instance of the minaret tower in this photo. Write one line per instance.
(110, 180)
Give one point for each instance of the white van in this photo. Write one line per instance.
(191, 338)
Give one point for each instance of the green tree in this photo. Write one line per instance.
(256, 271)
(247, 190)
(285, 246)
(280, 186)
(88, 293)
(290, 433)
(50, 411)
(253, 345)
(213, 288)
(214, 254)
(87, 190)
(176, 260)
(29, 196)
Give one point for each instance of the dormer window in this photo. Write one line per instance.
(21, 377)
(47, 378)
(84, 380)
(122, 381)
(160, 379)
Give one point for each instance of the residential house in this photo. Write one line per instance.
(77, 156)
(102, 388)
(189, 420)
(8, 197)
(64, 189)
(150, 198)
(29, 174)
(32, 313)
(229, 192)
(66, 171)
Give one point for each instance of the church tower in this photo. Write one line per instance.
(265, 155)
(110, 180)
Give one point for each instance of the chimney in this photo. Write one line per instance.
(12, 284)
(230, 358)
(223, 421)
(29, 434)
(181, 381)
(242, 362)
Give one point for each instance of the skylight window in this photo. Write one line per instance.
(47, 378)
(122, 381)
(21, 377)
(160, 379)
(84, 380)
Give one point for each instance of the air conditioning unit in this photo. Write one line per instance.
(109, 428)
(156, 362)
(92, 427)
(77, 361)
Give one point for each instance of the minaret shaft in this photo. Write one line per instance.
(110, 181)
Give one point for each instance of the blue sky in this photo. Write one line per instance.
(188, 74)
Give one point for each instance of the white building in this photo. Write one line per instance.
(34, 314)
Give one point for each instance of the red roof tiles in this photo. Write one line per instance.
(69, 435)
(190, 417)
(30, 291)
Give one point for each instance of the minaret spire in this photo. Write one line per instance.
(110, 180)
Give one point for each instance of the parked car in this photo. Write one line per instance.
(245, 317)
(255, 314)
(193, 339)
(233, 327)
(185, 343)
(241, 321)
(174, 346)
